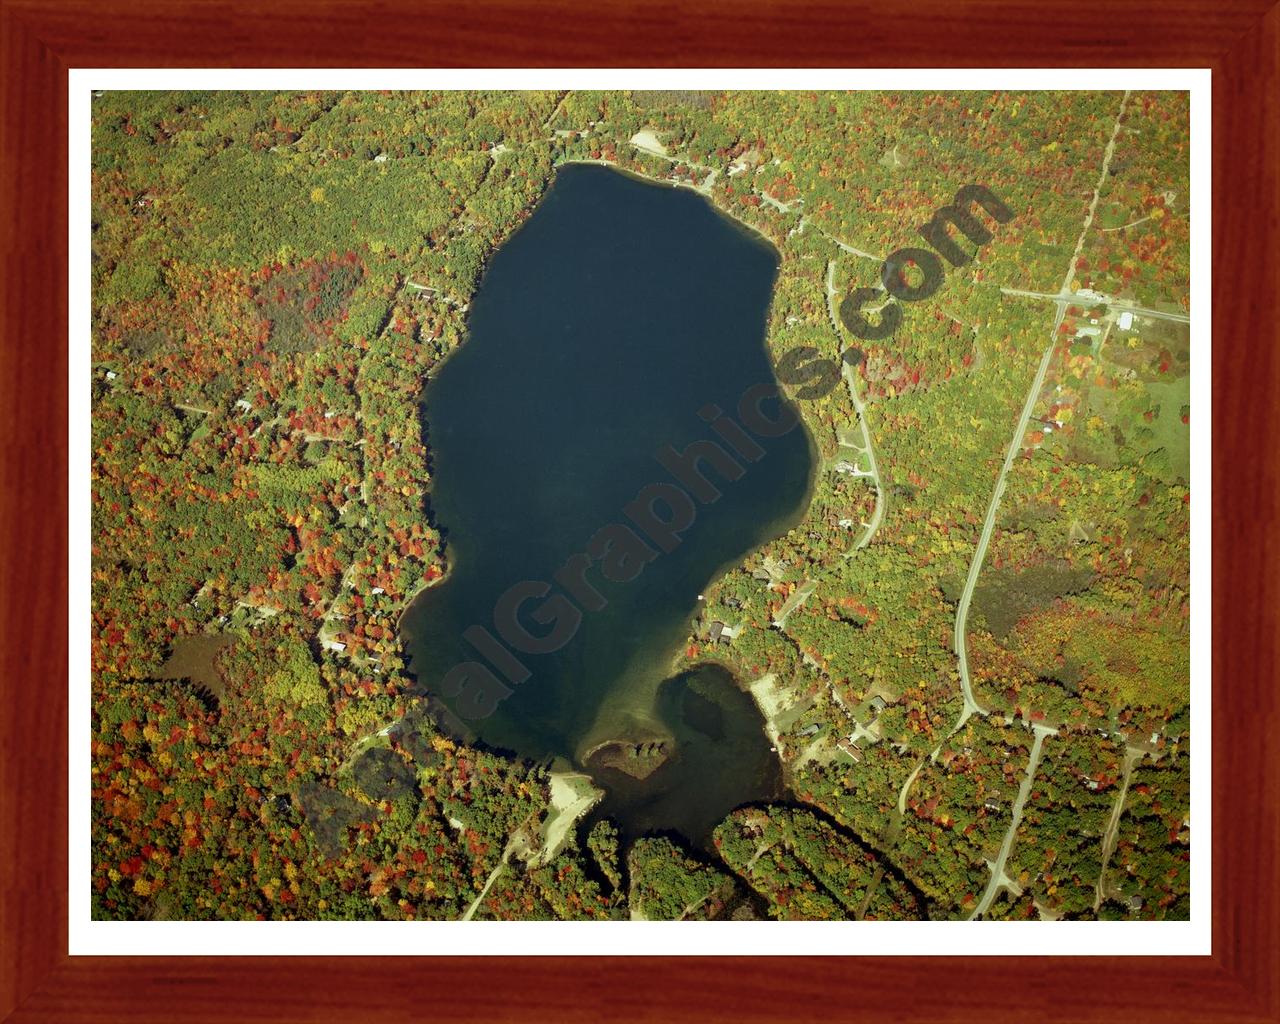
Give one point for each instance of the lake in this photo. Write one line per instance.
(621, 324)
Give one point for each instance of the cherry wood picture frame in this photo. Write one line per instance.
(41, 39)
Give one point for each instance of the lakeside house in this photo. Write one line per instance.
(722, 632)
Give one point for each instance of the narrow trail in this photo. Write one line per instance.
(1131, 758)
(556, 109)
(519, 844)
(851, 382)
(493, 877)
(906, 787)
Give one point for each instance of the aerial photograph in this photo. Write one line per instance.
(640, 505)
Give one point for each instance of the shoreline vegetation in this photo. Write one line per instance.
(275, 277)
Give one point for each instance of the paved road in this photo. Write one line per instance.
(1065, 298)
(971, 705)
(998, 878)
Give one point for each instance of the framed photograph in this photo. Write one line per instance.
(561, 538)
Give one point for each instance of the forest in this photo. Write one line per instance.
(275, 275)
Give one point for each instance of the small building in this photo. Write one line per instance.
(810, 730)
(337, 646)
(1135, 903)
(994, 806)
(877, 704)
(1126, 321)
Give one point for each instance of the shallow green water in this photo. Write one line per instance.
(602, 329)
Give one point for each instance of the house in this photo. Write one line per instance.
(337, 646)
(1126, 321)
(852, 749)
(1135, 903)
(877, 704)
(748, 161)
(993, 806)
(810, 730)
(723, 633)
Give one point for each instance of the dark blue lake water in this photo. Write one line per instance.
(603, 333)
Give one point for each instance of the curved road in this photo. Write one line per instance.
(998, 879)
